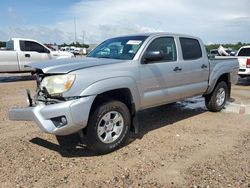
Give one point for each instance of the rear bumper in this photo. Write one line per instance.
(244, 72)
(76, 113)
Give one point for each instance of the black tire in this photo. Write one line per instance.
(211, 100)
(95, 142)
(68, 141)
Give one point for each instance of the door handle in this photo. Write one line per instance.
(27, 55)
(204, 66)
(176, 69)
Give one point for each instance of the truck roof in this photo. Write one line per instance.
(245, 46)
(151, 34)
(23, 39)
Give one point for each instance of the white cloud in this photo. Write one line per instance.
(216, 21)
(11, 13)
(41, 33)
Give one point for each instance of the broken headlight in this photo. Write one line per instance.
(58, 84)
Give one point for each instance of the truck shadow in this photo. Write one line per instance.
(149, 120)
(16, 78)
(166, 115)
(78, 150)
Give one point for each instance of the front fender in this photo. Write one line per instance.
(112, 84)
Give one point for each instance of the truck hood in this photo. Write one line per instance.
(63, 66)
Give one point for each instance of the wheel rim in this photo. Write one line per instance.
(110, 127)
(220, 97)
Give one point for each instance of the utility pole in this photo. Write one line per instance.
(75, 28)
(83, 34)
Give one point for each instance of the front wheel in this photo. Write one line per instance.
(108, 127)
(217, 99)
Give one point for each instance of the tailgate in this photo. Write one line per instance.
(242, 62)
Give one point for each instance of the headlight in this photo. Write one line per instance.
(58, 84)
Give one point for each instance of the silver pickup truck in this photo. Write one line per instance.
(99, 96)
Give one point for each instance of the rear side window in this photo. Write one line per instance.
(244, 52)
(191, 49)
(32, 46)
(10, 45)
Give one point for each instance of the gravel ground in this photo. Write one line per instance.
(179, 145)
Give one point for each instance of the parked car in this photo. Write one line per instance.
(99, 96)
(75, 50)
(243, 56)
(20, 52)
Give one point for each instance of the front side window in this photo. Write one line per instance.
(32, 46)
(118, 48)
(191, 48)
(244, 52)
(166, 45)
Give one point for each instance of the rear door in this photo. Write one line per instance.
(195, 67)
(30, 52)
(160, 79)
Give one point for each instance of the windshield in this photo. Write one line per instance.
(118, 48)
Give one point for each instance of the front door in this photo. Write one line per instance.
(160, 78)
(32, 52)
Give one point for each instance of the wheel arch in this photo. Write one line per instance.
(123, 89)
(223, 77)
(125, 85)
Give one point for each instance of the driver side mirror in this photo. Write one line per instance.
(153, 56)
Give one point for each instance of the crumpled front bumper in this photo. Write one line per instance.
(75, 111)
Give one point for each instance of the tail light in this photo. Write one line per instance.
(248, 63)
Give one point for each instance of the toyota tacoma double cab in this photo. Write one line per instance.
(98, 97)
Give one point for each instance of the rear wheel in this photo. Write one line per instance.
(217, 99)
(108, 127)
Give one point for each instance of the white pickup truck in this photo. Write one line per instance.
(20, 52)
(243, 56)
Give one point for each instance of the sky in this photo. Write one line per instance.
(52, 21)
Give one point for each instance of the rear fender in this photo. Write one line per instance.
(214, 78)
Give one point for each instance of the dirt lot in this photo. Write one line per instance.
(180, 145)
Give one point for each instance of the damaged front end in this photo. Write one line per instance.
(50, 110)
(47, 95)
(41, 94)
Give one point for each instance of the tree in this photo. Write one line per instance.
(234, 47)
(77, 44)
(2, 44)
